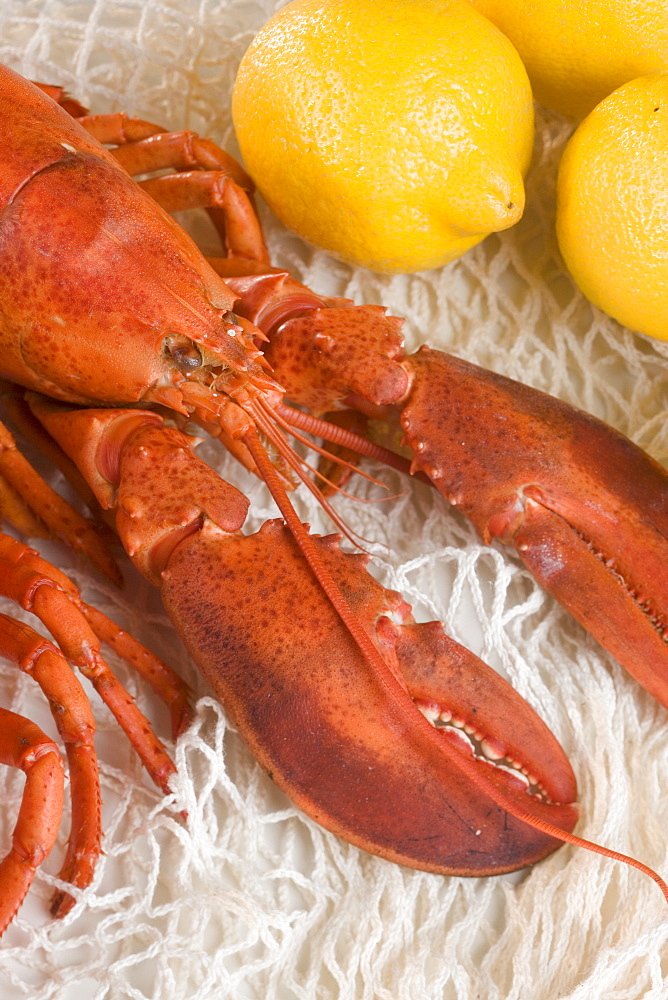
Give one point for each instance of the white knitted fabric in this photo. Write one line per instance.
(248, 899)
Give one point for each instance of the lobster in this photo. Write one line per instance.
(107, 303)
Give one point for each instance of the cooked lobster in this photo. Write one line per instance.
(106, 302)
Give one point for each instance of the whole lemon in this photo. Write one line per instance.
(576, 53)
(612, 205)
(393, 133)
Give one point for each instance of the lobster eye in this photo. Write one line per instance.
(184, 353)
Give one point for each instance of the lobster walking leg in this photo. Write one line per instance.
(62, 520)
(38, 587)
(15, 512)
(74, 719)
(206, 176)
(169, 687)
(24, 745)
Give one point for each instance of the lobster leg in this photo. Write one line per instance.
(61, 97)
(167, 684)
(117, 128)
(24, 745)
(585, 508)
(146, 147)
(37, 587)
(180, 151)
(227, 203)
(62, 520)
(169, 687)
(18, 514)
(17, 412)
(73, 717)
(206, 176)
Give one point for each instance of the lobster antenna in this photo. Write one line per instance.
(346, 438)
(282, 415)
(366, 646)
(287, 453)
(312, 446)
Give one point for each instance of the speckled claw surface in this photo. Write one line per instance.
(347, 745)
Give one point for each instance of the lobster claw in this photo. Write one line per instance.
(349, 752)
(584, 507)
(343, 738)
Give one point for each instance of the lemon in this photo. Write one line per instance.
(576, 53)
(612, 205)
(393, 133)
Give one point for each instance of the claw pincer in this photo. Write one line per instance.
(346, 747)
(584, 507)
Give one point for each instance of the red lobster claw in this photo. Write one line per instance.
(585, 508)
(341, 735)
(347, 750)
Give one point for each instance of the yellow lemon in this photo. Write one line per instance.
(612, 205)
(393, 133)
(578, 51)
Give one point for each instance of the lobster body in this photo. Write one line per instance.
(105, 300)
(133, 276)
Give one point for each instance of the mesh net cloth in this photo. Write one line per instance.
(248, 898)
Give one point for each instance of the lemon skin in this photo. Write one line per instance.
(576, 53)
(612, 205)
(393, 134)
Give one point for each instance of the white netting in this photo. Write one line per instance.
(248, 899)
